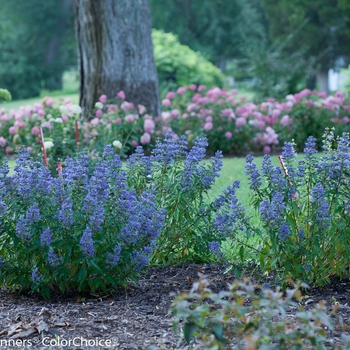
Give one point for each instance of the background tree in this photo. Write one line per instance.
(116, 52)
(35, 45)
(325, 33)
(216, 28)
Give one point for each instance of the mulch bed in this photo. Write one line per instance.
(135, 318)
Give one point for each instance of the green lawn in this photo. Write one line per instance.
(57, 95)
(18, 103)
(233, 169)
(70, 90)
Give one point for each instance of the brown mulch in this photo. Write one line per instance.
(135, 318)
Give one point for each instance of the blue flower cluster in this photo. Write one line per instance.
(169, 149)
(253, 173)
(141, 258)
(31, 179)
(310, 146)
(273, 213)
(230, 213)
(53, 259)
(46, 238)
(195, 171)
(215, 247)
(35, 276)
(288, 151)
(114, 257)
(319, 199)
(87, 243)
(267, 167)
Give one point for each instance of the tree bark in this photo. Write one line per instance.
(116, 52)
(221, 63)
(322, 81)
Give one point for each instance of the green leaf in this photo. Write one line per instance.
(82, 274)
(189, 330)
(241, 253)
(218, 332)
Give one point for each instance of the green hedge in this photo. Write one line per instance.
(180, 65)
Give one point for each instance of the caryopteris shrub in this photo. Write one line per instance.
(303, 212)
(181, 180)
(78, 231)
(95, 225)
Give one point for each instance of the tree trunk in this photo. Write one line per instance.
(116, 52)
(322, 81)
(221, 63)
(311, 82)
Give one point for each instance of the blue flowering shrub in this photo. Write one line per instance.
(180, 179)
(85, 230)
(95, 225)
(303, 211)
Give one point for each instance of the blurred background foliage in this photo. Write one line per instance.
(178, 65)
(272, 47)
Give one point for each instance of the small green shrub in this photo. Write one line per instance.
(179, 64)
(5, 95)
(250, 316)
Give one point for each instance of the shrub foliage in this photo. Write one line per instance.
(83, 230)
(251, 316)
(303, 211)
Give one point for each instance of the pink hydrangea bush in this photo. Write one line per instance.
(121, 120)
(310, 112)
(234, 126)
(230, 123)
(117, 122)
(217, 114)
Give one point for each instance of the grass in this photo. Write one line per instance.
(31, 101)
(233, 169)
(70, 90)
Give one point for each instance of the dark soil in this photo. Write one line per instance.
(135, 318)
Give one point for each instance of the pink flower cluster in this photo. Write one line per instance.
(121, 120)
(220, 114)
(227, 120)
(22, 126)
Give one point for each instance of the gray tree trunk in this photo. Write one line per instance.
(322, 81)
(116, 52)
(221, 63)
